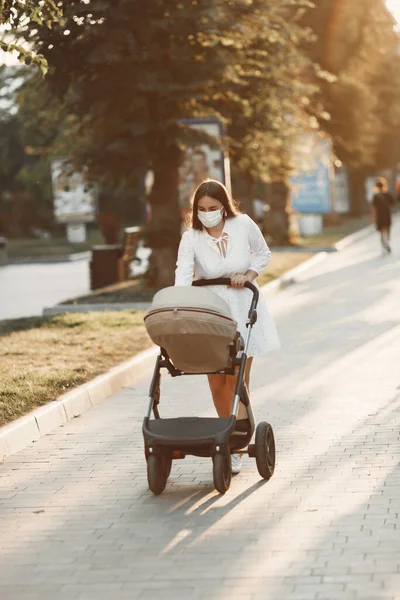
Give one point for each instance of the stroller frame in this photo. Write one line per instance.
(166, 440)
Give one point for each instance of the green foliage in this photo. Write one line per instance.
(11, 153)
(16, 15)
(277, 93)
(16, 12)
(35, 179)
(127, 71)
(236, 60)
(30, 127)
(11, 146)
(357, 42)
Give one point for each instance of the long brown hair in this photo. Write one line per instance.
(216, 190)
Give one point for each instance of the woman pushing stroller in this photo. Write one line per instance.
(223, 243)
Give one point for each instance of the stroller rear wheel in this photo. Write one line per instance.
(222, 472)
(168, 466)
(157, 473)
(265, 450)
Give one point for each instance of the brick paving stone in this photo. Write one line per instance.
(77, 521)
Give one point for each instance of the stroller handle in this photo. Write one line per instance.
(227, 281)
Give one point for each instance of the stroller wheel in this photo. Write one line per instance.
(168, 466)
(222, 472)
(156, 474)
(265, 450)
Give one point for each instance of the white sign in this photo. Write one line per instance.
(74, 198)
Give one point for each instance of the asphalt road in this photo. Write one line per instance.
(25, 290)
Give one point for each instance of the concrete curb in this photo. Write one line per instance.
(25, 430)
(18, 434)
(275, 285)
(84, 308)
(355, 237)
(43, 260)
(289, 278)
(361, 234)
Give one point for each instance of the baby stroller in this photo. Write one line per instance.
(197, 335)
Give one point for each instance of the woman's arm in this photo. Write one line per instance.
(260, 253)
(260, 256)
(185, 263)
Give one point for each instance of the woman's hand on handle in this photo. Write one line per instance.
(238, 280)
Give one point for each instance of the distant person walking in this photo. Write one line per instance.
(382, 204)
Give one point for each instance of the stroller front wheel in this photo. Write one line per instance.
(157, 474)
(222, 472)
(265, 450)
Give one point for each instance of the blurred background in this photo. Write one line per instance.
(111, 113)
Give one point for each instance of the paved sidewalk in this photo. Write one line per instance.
(77, 521)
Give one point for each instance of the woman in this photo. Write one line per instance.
(221, 242)
(381, 207)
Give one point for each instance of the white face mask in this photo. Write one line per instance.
(210, 219)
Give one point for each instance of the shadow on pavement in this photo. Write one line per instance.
(74, 525)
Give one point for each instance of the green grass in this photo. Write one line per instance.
(334, 233)
(282, 262)
(42, 358)
(136, 291)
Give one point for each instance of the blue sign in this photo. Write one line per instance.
(311, 184)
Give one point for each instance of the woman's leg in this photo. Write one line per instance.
(242, 414)
(385, 234)
(247, 372)
(388, 239)
(223, 391)
(221, 400)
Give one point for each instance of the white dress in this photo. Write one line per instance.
(241, 247)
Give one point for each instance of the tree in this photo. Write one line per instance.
(358, 44)
(128, 71)
(11, 146)
(31, 127)
(279, 100)
(15, 15)
(12, 155)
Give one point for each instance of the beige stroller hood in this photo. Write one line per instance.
(194, 326)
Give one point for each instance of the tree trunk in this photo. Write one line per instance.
(243, 185)
(164, 231)
(358, 200)
(276, 222)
